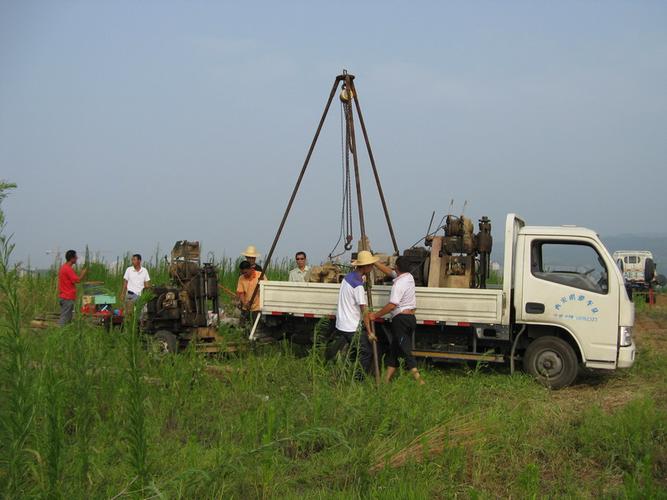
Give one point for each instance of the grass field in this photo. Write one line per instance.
(89, 414)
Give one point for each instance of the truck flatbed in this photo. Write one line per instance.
(451, 306)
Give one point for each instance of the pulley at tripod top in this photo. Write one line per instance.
(346, 94)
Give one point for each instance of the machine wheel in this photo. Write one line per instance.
(166, 342)
(649, 270)
(552, 361)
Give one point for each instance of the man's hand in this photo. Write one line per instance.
(372, 316)
(372, 337)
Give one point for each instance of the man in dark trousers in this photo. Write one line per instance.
(352, 307)
(402, 307)
(67, 280)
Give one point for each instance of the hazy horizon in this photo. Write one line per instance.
(131, 125)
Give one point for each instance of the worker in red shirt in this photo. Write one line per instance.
(67, 280)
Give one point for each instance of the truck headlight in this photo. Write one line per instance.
(626, 336)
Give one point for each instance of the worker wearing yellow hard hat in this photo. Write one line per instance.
(352, 305)
(251, 255)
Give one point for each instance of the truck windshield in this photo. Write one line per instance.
(570, 263)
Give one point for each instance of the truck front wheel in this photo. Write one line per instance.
(552, 361)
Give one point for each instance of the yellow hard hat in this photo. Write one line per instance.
(250, 251)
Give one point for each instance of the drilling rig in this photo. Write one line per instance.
(186, 309)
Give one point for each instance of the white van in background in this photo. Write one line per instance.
(637, 266)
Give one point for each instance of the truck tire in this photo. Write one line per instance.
(166, 341)
(552, 361)
(649, 270)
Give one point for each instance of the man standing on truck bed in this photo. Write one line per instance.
(402, 306)
(67, 280)
(352, 307)
(302, 270)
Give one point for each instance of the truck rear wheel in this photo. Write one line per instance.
(166, 342)
(552, 361)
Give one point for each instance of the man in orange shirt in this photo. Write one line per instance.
(245, 288)
(67, 280)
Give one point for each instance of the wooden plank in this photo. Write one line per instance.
(493, 358)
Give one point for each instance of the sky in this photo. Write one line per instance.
(130, 125)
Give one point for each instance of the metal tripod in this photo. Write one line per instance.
(347, 80)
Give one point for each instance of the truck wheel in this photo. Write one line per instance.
(552, 361)
(166, 342)
(649, 270)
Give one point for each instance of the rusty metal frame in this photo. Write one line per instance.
(348, 79)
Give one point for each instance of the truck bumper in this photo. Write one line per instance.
(626, 356)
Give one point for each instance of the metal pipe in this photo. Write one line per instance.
(514, 344)
(296, 187)
(375, 171)
(362, 225)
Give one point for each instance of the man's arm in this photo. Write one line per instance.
(240, 294)
(367, 323)
(385, 269)
(77, 278)
(123, 290)
(385, 310)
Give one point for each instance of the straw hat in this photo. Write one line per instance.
(251, 251)
(365, 258)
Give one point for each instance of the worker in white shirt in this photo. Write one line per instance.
(352, 308)
(302, 270)
(135, 279)
(401, 307)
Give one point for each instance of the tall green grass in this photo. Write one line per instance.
(87, 413)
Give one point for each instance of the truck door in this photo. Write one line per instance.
(568, 285)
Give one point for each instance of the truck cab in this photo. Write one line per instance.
(568, 286)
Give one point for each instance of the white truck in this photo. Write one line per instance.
(638, 268)
(562, 305)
